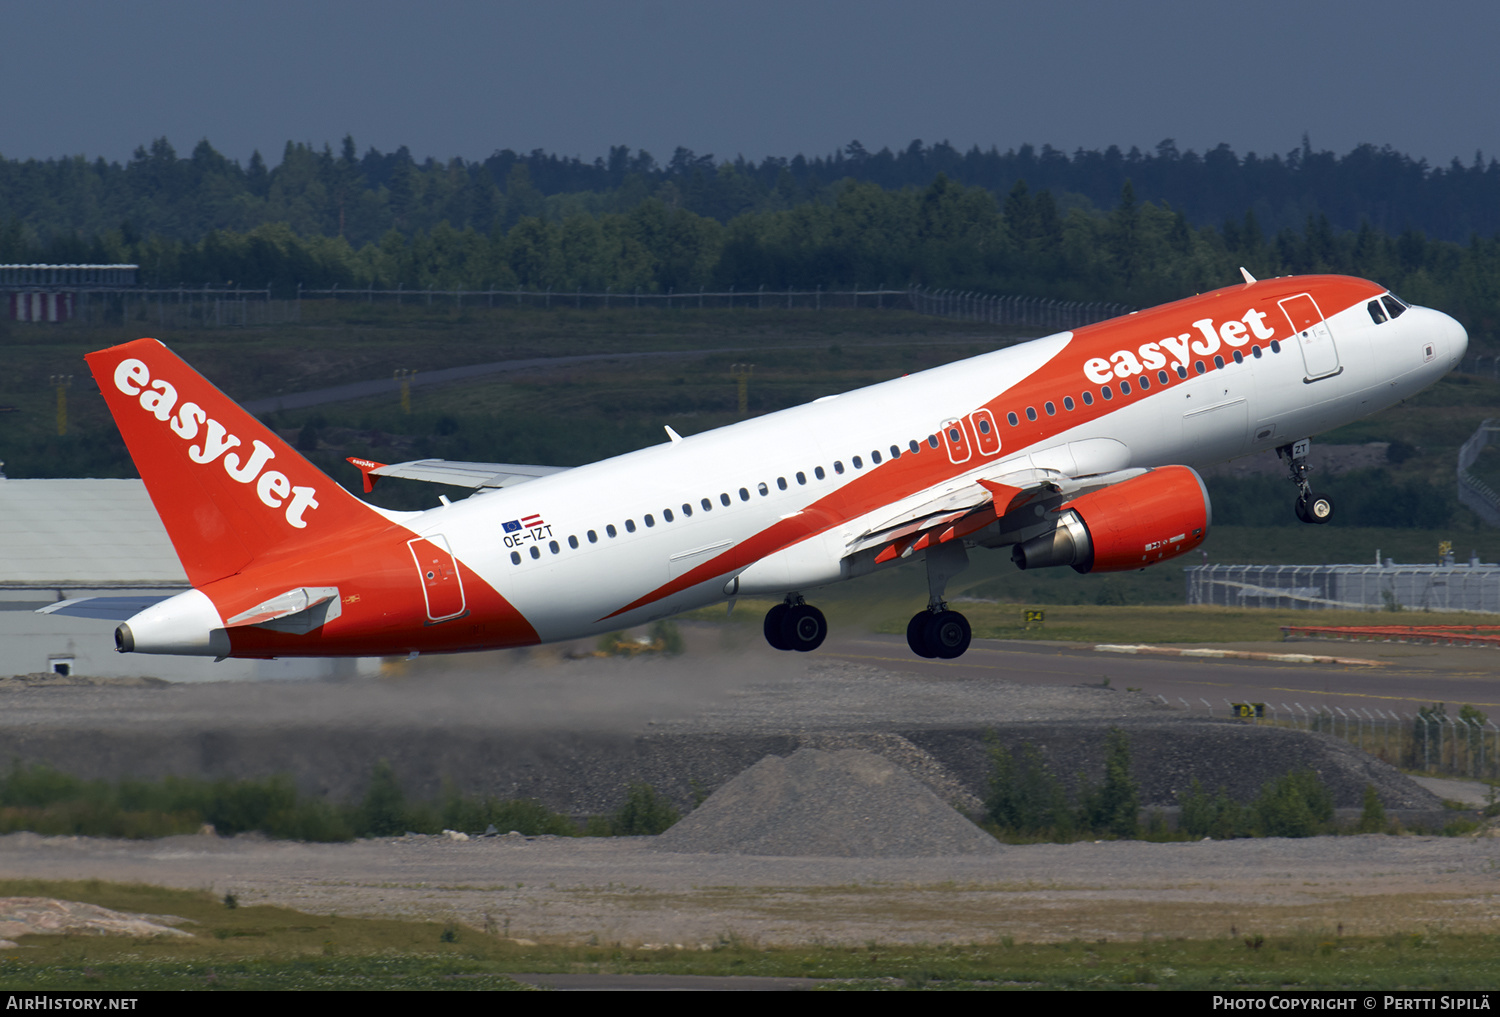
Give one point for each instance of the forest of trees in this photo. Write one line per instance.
(1127, 227)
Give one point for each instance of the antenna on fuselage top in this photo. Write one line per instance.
(1246, 273)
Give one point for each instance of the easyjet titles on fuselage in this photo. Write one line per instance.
(159, 397)
(1204, 342)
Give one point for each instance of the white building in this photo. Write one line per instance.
(67, 539)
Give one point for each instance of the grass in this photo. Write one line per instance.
(884, 611)
(264, 947)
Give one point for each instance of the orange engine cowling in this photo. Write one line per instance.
(1128, 525)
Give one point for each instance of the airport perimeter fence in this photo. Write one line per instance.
(181, 307)
(1474, 493)
(1471, 587)
(1428, 740)
(217, 307)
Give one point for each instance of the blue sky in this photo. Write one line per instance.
(767, 78)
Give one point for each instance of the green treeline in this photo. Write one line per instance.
(362, 198)
(942, 235)
(628, 224)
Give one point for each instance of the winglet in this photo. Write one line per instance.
(672, 434)
(365, 466)
(1246, 273)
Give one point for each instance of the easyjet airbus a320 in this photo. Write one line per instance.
(1076, 449)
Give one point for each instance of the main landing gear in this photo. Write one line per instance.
(794, 625)
(1311, 507)
(937, 631)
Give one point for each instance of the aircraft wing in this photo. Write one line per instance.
(968, 509)
(444, 471)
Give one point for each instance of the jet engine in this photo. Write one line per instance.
(1129, 525)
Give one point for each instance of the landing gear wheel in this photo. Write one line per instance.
(916, 634)
(774, 618)
(1300, 507)
(1319, 507)
(947, 634)
(803, 628)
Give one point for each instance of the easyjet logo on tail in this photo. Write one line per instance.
(159, 398)
(1151, 356)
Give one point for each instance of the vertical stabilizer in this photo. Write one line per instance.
(226, 487)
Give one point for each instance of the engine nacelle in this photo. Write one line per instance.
(1128, 525)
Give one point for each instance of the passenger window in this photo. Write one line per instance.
(1182, 371)
(593, 537)
(1107, 392)
(838, 466)
(1255, 352)
(724, 499)
(535, 553)
(649, 520)
(858, 463)
(932, 440)
(687, 509)
(1161, 376)
(1049, 406)
(1031, 413)
(801, 477)
(1239, 358)
(630, 526)
(1275, 345)
(915, 448)
(708, 506)
(1124, 388)
(1088, 399)
(610, 529)
(763, 489)
(1014, 420)
(781, 483)
(1219, 363)
(1144, 382)
(552, 546)
(515, 557)
(875, 458)
(665, 514)
(984, 426)
(573, 542)
(1068, 402)
(744, 495)
(1198, 366)
(1377, 313)
(895, 451)
(818, 472)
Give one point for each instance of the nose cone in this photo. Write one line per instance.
(1458, 340)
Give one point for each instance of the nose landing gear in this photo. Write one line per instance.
(1311, 507)
(795, 625)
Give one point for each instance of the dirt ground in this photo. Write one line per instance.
(620, 890)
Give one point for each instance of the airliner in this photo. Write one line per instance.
(1077, 449)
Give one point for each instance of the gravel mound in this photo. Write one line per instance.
(843, 804)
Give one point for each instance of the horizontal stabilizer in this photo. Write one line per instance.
(443, 471)
(299, 610)
(103, 608)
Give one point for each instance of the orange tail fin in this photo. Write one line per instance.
(226, 487)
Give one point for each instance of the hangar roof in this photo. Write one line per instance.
(83, 533)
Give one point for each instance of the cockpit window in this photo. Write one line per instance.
(1377, 313)
(1393, 305)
